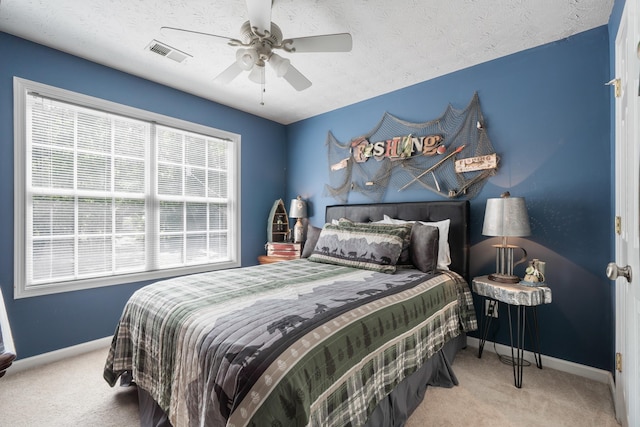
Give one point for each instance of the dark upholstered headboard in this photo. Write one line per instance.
(456, 211)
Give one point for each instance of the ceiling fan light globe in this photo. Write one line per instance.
(246, 58)
(279, 64)
(257, 75)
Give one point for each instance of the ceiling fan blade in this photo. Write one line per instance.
(327, 43)
(168, 30)
(229, 74)
(260, 16)
(296, 79)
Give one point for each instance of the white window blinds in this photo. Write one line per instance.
(86, 192)
(108, 195)
(193, 188)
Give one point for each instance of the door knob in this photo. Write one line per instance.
(613, 271)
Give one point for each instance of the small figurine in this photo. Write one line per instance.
(534, 273)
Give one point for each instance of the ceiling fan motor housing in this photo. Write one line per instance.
(262, 45)
(248, 36)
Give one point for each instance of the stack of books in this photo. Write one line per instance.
(284, 249)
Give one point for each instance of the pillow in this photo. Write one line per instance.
(374, 247)
(312, 238)
(424, 247)
(404, 260)
(444, 254)
(405, 257)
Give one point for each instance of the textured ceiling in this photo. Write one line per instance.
(395, 43)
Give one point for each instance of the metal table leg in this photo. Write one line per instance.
(535, 337)
(493, 305)
(518, 357)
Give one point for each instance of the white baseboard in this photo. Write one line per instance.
(57, 355)
(598, 375)
(585, 371)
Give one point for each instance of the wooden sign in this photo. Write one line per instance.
(471, 164)
(399, 147)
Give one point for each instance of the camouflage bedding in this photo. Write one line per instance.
(284, 344)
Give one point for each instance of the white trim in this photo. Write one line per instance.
(21, 87)
(621, 416)
(58, 355)
(584, 371)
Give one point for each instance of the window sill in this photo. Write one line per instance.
(99, 282)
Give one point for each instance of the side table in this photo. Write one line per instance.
(268, 259)
(522, 297)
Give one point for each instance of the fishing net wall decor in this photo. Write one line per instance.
(451, 156)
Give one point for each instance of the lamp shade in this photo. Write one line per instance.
(506, 216)
(298, 208)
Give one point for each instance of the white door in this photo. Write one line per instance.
(627, 172)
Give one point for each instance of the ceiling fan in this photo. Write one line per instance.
(259, 37)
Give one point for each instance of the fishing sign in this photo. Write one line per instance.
(399, 147)
(450, 155)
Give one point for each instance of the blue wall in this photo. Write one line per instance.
(547, 113)
(43, 324)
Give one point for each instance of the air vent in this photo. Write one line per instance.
(164, 50)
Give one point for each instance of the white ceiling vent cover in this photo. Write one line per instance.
(165, 50)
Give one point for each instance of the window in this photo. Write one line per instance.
(108, 194)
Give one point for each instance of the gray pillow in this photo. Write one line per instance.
(312, 238)
(424, 247)
(444, 252)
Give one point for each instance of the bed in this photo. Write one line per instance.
(328, 340)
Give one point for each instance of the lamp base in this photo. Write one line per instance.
(504, 278)
(298, 232)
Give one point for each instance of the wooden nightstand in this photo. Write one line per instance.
(522, 297)
(268, 259)
(280, 251)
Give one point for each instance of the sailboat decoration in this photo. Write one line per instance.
(278, 223)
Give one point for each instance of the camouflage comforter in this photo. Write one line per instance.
(284, 344)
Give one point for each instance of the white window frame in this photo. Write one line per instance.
(21, 88)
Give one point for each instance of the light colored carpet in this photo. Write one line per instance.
(486, 397)
(73, 393)
(69, 393)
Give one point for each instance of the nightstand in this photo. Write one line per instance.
(268, 259)
(521, 297)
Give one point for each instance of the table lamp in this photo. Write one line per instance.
(298, 210)
(506, 217)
